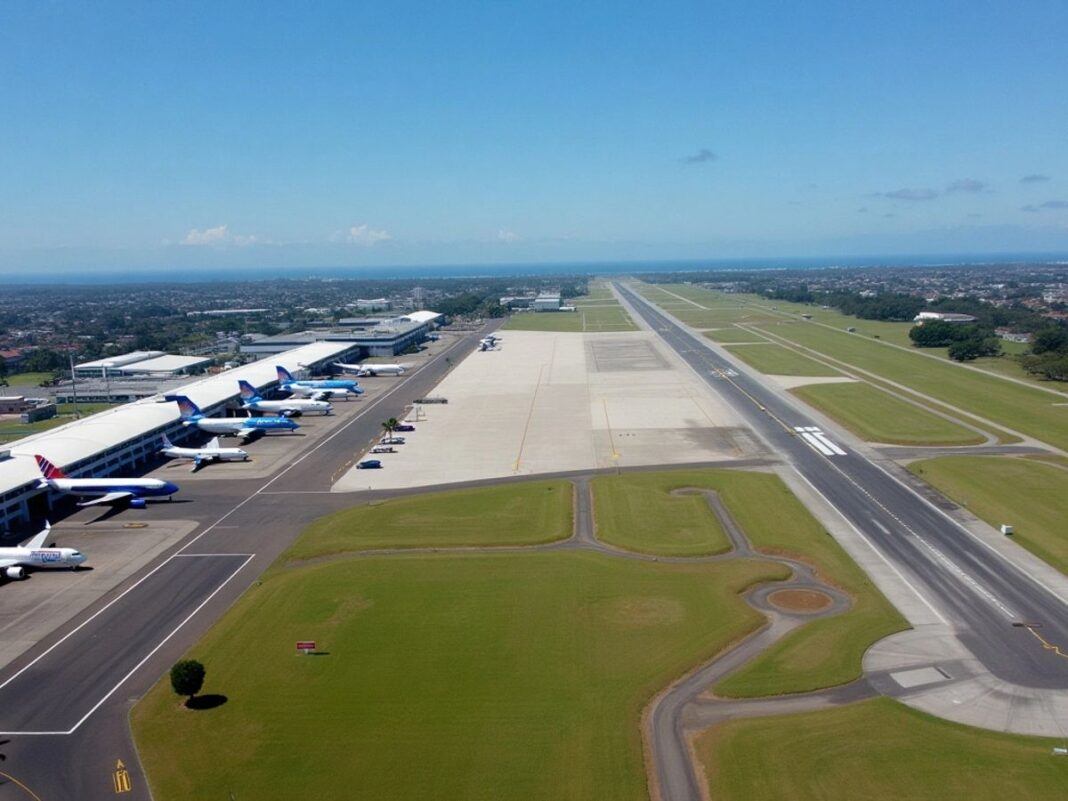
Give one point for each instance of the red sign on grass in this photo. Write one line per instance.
(306, 645)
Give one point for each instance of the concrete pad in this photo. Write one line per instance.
(33, 608)
(918, 677)
(552, 401)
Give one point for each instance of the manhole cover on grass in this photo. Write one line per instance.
(800, 601)
(135, 525)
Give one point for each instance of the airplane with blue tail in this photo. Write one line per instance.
(244, 427)
(130, 491)
(317, 388)
(251, 400)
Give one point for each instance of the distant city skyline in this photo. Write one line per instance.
(364, 135)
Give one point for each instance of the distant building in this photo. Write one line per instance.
(372, 305)
(13, 404)
(141, 362)
(943, 317)
(516, 301)
(1013, 336)
(99, 366)
(546, 302)
(12, 359)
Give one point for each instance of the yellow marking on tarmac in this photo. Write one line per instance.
(22, 786)
(608, 422)
(530, 415)
(121, 778)
(1046, 644)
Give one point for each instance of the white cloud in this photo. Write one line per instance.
(362, 234)
(219, 235)
(505, 235)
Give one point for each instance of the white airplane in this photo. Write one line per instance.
(244, 427)
(34, 554)
(301, 391)
(207, 454)
(131, 491)
(251, 400)
(372, 369)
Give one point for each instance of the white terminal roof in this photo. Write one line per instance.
(423, 316)
(164, 364)
(82, 439)
(119, 361)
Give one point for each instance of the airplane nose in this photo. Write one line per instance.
(170, 488)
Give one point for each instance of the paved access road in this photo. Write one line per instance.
(966, 583)
(64, 704)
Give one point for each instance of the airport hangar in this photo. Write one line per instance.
(120, 440)
(388, 336)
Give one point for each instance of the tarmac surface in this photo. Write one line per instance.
(64, 702)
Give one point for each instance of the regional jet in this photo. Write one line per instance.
(319, 389)
(251, 400)
(131, 491)
(244, 427)
(372, 369)
(207, 454)
(34, 554)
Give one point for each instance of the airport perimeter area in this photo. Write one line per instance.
(544, 402)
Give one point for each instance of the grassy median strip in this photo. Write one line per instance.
(731, 334)
(878, 416)
(827, 651)
(511, 514)
(503, 676)
(1028, 494)
(637, 511)
(777, 360)
(873, 751)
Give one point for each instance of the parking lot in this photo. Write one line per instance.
(548, 401)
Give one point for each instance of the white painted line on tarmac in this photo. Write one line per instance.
(823, 438)
(816, 444)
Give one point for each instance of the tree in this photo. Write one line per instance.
(972, 348)
(187, 677)
(1051, 339)
(390, 426)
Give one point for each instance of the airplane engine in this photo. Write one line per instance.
(138, 503)
(15, 572)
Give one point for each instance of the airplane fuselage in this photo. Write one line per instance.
(37, 558)
(138, 487)
(241, 425)
(217, 454)
(290, 405)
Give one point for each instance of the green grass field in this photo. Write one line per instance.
(13, 429)
(825, 652)
(29, 379)
(502, 676)
(636, 511)
(874, 751)
(512, 514)
(603, 316)
(544, 321)
(1027, 409)
(777, 360)
(728, 335)
(1030, 495)
(878, 416)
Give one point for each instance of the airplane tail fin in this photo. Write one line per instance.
(213, 445)
(48, 470)
(38, 540)
(248, 392)
(186, 408)
(284, 376)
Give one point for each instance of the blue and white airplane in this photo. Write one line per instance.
(317, 388)
(244, 427)
(34, 554)
(131, 491)
(251, 400)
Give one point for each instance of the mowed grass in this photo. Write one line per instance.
(874, 751)
(777, 360)
(1028, 494)
(732, 335)
(878, 416)
(827, 651)
(499, 676)
(544, 321)
(637, 511)
(604, 316)
(512, 514)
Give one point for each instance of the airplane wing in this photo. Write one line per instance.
(111, 497)
(246, 434)
(38, 539)
(200, 461)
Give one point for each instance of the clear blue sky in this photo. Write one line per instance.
(230, 134)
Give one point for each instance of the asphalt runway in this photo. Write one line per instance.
(967, 584)
(64, 704)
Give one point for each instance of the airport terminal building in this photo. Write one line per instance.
(121, 441)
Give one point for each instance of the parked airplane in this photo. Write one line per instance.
(131, 491)
(207, 454)
(34, 554)
(251, 400)
(319, 388)
(245, 427)
(372, 369)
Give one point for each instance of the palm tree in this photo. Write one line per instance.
(390, 426)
